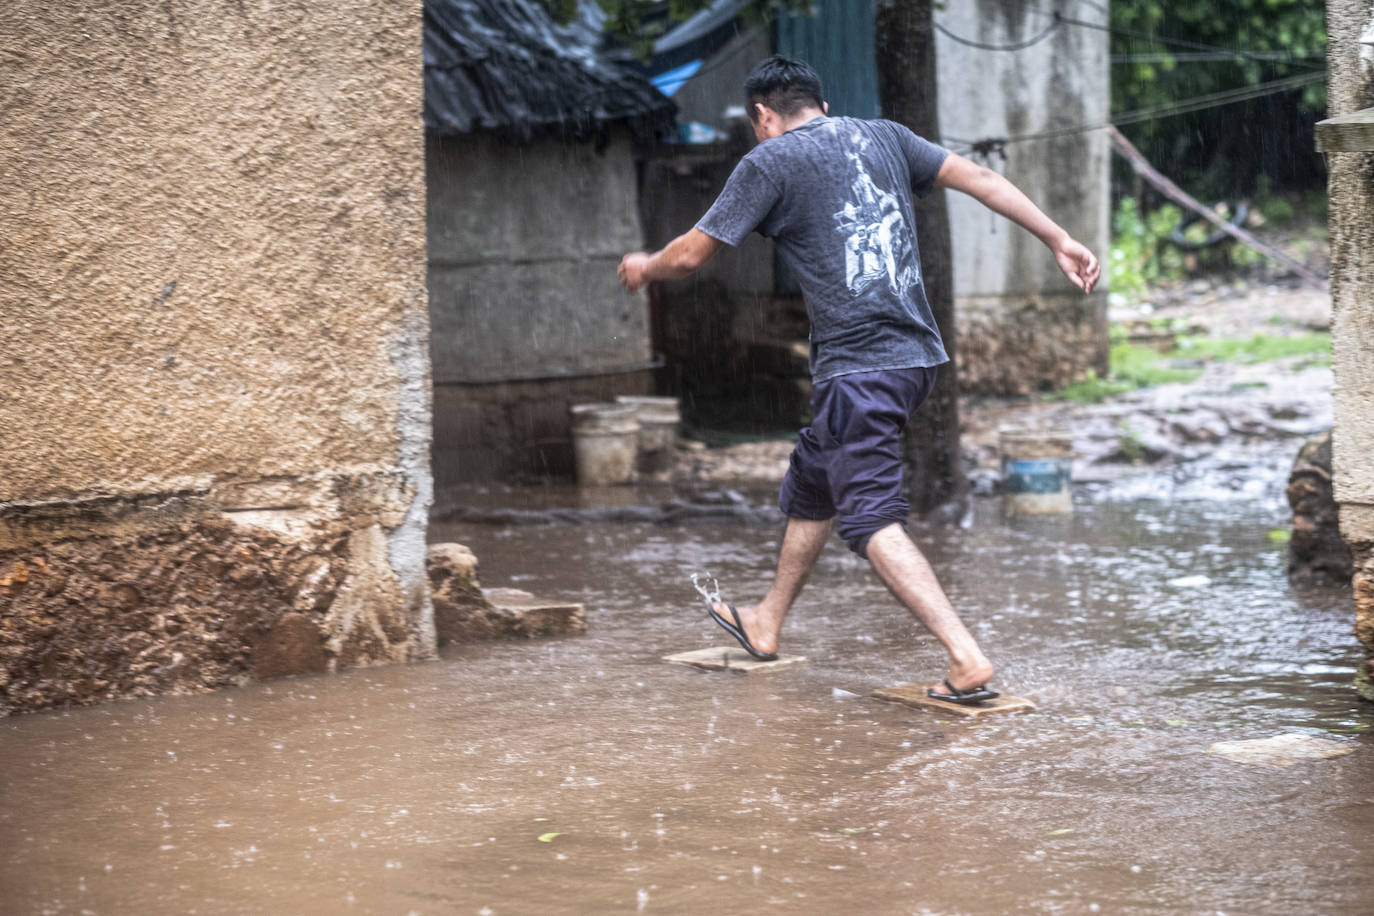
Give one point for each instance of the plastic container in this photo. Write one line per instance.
(1037, 465)
(605, 442)
(658, 424)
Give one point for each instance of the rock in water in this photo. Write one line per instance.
(1316, 554)
(1281, 750)
(465, 612)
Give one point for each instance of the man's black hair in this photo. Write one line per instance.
(784, 85)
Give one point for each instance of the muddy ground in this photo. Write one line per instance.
(1231, 414)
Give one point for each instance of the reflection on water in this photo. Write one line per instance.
(585, 775)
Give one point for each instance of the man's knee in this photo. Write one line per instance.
(858, 532)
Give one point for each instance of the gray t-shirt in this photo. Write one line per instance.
(836, 196)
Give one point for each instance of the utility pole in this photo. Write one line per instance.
(905, 51)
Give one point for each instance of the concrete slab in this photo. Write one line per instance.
(914, 695)
(719, 658)
(527, 615)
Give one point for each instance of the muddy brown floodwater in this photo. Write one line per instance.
(584, 775)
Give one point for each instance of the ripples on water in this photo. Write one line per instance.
(585, 775)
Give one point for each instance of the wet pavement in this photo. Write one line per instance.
(586, 775)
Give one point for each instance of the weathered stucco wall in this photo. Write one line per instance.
(215, 372)
(527, 313)
(1350, 88)
(1021, 325)
(524, 241)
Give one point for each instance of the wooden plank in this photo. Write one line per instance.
(719, 658)
(1142, 167)
(915, 696)
(1349, 133)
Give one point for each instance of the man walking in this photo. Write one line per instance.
(836, 196)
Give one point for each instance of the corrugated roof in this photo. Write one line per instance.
(507, 65)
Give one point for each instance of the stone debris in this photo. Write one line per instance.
(1316, 554)
(528, 616)
(717, 658)
(1281, 750)
(465, 612)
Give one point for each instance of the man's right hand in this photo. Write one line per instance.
(631, 271)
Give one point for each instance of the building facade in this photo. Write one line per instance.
(216, 408)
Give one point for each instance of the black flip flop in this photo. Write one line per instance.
(737, 630)
(971, 697)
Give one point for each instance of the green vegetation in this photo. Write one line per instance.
(1258, 349)
(1134, 366)
(1132, 449)
(1222, 151)
(1141, 253)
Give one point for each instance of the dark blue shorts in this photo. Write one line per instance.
(848, 462)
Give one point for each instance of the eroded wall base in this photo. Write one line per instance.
(180, 592)
(1357, 527)
(1026, 343)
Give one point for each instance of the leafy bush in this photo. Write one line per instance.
(1141, 253)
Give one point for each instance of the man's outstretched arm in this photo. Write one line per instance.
(1001, 196)
(684, 255)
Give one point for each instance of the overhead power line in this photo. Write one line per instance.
(1200, 52)
(1192, 57)
(1182, 42)
(1183, 106)
(984, 46)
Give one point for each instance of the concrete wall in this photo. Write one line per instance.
(525, 305)
(215, 371)
(1021, 324)
(1350, 88)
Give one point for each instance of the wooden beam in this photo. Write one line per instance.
(1350, 133)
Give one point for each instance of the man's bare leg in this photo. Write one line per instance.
(801, 545)
(904, 569)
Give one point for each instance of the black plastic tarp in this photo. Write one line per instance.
(506, 65)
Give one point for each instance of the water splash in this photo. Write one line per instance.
(713, 594)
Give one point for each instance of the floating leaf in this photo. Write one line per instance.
(1279, 535)
(548, 837)
(850, 830)
(1175, 722)
(1060, 832)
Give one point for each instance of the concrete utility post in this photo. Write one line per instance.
(1348, 139)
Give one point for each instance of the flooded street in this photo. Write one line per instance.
(586, 775)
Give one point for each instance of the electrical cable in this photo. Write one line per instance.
(983, 46)
(1165, 40)
(1189, 57)
(1184, 106)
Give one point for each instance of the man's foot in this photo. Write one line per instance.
(975, 697)
(969, 674)
(757, 631)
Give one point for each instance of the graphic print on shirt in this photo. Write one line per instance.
(877, 240)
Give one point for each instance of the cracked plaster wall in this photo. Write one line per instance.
(215, 379)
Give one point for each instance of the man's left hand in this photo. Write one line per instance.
(631, 272)
(1078, 264)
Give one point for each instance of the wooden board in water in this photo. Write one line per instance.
(914, 695)
(719, 658)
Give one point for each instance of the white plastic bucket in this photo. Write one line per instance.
(605, 442)
(658, 423)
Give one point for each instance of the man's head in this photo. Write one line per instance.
(777, 91)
